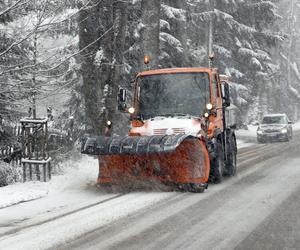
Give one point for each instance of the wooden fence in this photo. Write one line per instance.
(11, 155)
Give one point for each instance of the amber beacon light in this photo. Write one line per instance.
(146, 59)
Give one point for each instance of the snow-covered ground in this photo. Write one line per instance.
(27, 203)
(74, 186)
(36, 235)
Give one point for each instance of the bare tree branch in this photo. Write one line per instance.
(37, 27)
(17, 4)
(80, 51)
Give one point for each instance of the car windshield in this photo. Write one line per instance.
(173, 94)
(274, 120)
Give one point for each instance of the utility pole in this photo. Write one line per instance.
(291, 27)
(291, 30)
(34, 76)
(210, 32)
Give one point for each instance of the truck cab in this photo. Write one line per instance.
(186, 101)
(177, 94)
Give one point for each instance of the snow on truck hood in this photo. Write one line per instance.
(169, 126)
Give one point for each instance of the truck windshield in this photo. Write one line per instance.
(173, 94)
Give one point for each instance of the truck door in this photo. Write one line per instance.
(218, 102)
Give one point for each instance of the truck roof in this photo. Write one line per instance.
(177, 70)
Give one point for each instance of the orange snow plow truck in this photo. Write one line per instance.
(179, 134)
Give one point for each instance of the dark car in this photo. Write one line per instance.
(274, 127)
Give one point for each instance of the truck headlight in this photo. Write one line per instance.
(108, 123)
(209, 106)
(131, 110)
(284, 130)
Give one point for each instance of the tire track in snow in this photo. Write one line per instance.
(16, 230)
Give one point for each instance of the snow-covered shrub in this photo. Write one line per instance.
(9, 174)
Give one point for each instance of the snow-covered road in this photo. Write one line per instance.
(74, 213)
(222, 218)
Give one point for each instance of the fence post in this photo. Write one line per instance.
(24, 172)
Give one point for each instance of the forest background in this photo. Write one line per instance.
(73, 55)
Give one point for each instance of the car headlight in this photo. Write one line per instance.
(284, 130)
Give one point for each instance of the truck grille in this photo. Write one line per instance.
(179, 131)
(163, 131)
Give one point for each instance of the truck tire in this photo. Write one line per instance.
(218, 164)
(231, 162)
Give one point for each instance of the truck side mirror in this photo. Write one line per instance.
(226, 94)
(122, 97)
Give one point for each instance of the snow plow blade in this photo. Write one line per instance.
(176, 159)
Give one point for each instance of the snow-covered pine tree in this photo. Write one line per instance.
(288, 57)
(242, 41)
(173, 34)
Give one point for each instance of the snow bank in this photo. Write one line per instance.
(246, 138)
(8, 174)
(296, 126)
(251, 132)
(76, 174)
(22, 192)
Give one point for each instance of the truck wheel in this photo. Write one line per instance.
(218, 164)
(231, 164)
